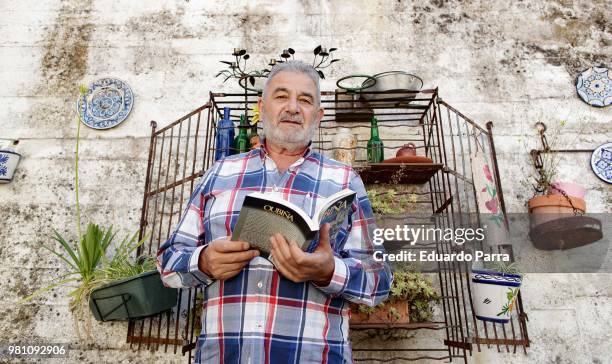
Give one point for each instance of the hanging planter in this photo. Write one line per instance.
(551, 207)
(495, 294)
(9, 159)
(131, 298)
(397, 312)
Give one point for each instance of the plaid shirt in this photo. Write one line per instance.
(259, 316)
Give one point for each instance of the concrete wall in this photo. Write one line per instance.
(512, 62)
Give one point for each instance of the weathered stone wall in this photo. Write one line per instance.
(511, 62)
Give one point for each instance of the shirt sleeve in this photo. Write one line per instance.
(177, 258)
(358, 277)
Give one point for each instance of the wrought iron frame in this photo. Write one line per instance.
(446, 136)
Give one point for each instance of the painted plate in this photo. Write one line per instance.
(601, 162)
(595, 86)
(106, 104)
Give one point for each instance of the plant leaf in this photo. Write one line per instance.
(246, 56)
(333, 60)
(291, 51)
(242, 52)
(332, 49)
(252, 80)
(321, 74)
(317, 50)
(226, 62)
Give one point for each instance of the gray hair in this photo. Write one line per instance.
(298, 67)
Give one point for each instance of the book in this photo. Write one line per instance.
(265, 214)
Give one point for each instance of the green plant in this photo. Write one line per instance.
(503, 267)
(89, 252)
(390, 201)
(413, 287)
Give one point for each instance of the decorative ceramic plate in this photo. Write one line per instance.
(601, 162)
(595, 86)
(106, 104)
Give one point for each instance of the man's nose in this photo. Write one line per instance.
(293, 105)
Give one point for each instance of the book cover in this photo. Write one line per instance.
(263, 215)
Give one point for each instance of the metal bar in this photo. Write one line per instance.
(488, 341)
(171, 125)
(155, 211)
(500, 191)
(163, 208)
(567, 151)
(462, 116)
(146, 188)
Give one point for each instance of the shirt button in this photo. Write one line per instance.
(259, 284)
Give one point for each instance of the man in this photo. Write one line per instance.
(295, 311)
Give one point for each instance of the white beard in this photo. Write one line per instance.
(289, 140)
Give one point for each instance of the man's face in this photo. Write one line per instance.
(290, 113)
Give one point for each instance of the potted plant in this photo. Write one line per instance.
(552, 197)
(495, 290)
(409, 300)
(87, 263)
(123, 289)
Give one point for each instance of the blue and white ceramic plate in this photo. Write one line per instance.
(106, 104)
(601, 162)
(595, 86)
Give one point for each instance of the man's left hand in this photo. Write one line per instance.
(299, 266)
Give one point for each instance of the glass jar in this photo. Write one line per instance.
(344, 144)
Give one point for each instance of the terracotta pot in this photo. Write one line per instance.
(406, 150)
(570, 188)
(381, 315)
(552, 207)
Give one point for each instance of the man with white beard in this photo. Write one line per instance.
(297, 310)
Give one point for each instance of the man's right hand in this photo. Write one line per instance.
(224, 259)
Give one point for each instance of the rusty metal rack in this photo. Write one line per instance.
(182, 150)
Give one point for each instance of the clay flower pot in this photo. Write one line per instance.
(551, 207)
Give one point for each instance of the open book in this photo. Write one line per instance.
(265, 214)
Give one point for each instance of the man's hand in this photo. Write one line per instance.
(224, 259)
(299, 266)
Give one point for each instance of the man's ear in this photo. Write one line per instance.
(320, 114)
(260, 105)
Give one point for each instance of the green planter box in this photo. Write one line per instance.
(131, 298)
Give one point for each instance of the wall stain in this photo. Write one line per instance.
(66, 49)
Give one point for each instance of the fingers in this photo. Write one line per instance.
(324, 238)
(280, 247)
(226, 271)
(237, 257)
(228, 246)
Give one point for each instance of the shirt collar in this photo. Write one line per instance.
(263, 151)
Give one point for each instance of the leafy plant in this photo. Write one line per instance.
(503, 268)
(413, 287)
(89, 252)
(390, 201)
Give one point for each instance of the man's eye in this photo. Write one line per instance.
(306, 101)
(281, 96)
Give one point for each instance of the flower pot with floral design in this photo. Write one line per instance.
(9, 159)
(494, 294)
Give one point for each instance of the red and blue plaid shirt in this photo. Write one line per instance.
(259, 316)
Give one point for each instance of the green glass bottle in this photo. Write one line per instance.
(241, 142)
(376, 152)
